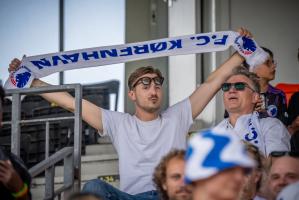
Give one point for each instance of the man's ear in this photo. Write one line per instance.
(258, 176)
(132, 95)
(256, 97)
(164, 186)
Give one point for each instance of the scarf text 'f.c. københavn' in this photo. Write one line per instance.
(44, 65)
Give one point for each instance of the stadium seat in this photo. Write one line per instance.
(288, 88)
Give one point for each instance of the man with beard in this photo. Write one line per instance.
(169, 177)
(142, 139)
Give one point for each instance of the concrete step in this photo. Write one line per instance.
(98, 165)
(99, 149)
(104, 140)
(100, 161)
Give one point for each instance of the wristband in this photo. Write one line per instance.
(22, 192)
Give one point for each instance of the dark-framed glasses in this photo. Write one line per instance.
(148, 80)
(239, 86)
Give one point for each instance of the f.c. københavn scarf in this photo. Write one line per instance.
(44, 65)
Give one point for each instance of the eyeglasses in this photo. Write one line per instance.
(148, 80)
(239, 86)
(284, 153)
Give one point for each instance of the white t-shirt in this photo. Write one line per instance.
(140, 145)
(268, 134)
(259, 198)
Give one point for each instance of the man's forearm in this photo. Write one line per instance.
(62, 99)
(225, 70)
(202, 95)
(91, 113)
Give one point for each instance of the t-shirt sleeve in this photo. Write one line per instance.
(111, 120)
(277, 137)
(183, 111)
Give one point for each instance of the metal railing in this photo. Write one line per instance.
(71, 155)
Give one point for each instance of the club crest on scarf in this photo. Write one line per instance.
(20, 77)
(245, 45)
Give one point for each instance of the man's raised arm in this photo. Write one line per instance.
(91, 113)
(203, 94)
(206, 91)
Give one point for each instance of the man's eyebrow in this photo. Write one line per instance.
(274, 175)
(292, 173)
(175, 174)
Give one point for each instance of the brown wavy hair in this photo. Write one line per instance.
(159, 176)
(141, 71)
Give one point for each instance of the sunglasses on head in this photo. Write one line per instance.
(239, 86)
(284, 153)
(148, 80)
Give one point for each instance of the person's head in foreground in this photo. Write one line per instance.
(283, 171)
(216, 165)
(253, 180)
(169, 177)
